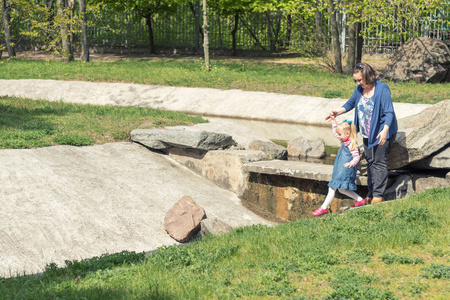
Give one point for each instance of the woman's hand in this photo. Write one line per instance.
(383, 135)
(334, 113)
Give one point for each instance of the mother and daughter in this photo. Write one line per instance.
(375, 120)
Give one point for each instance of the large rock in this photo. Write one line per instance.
(301, 147)
(421, 59)
(182, 221)
(401, 188)
(438, 160)
(270, 149)
(421, 135)
(161, 139)
(426, 182)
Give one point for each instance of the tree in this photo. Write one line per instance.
(233, 9)
(206, 36)
(144, 9)
(335, 37)
(84, 38)
(64, 7)
(6, 8)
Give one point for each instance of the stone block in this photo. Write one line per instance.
(182, 221)
(223, 167)
(160, 139)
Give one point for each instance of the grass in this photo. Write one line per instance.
(26, 123)
(396, 250)
(305, 78)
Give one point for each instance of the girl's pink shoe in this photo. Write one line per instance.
(359, 203)
(320, 211)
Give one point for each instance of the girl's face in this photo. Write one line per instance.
(343, 134)
(358, 78)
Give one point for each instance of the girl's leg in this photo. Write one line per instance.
(351, 194)
(329, 198)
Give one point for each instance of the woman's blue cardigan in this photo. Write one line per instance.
(383, 111)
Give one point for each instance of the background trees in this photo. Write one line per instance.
(333, 29)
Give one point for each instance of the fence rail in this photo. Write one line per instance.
(272, 32)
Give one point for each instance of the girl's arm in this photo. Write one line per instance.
(333, 127)
(355, 160)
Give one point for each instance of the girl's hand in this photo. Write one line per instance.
(331, 117)
(349, 165)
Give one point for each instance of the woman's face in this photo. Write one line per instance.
(358, 78)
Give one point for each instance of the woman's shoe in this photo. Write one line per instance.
(320, 211)
(369, 200)
(359, 203)
(377, 200)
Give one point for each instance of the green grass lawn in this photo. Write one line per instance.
(26, 123)
(394, 250)
(306, 78)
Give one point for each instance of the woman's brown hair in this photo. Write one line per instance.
(367, 72)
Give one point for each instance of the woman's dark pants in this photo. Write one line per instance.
(377, 171)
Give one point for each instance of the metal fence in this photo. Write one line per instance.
(272, 32)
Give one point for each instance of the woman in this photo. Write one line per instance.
(375, 120)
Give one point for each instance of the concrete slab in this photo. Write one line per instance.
(296, 169)
(205, 101)
(64, 203)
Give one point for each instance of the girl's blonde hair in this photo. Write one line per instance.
(349, 126)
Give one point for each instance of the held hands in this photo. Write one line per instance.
(334, 113)
(332, 116)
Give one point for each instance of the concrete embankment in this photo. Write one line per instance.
(64, 203)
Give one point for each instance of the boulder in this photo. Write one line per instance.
(438, 160)
(160, 139)
(301, 147)
(270, 149)
(182, 221)
(421, 59)
(214, 226)
(426, 182)
(421, 135)
(401, 188)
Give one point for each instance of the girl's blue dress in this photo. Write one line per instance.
(343, 177)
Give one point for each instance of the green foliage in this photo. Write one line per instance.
(287, 261)
(83, 267)
(414, 214)
(332, 94)
(73, 140)
(360, 255)
(26, 123)
(437, 271)
(350, 285)
(392, 258)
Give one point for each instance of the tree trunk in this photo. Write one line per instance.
(351, 54)
(66, 47)
(148, 21)
(359, 43)
(335, 35)
(84, 39)
(7, 27)
(288, 31)
(233, 35)
(318, 21)
(206, 37)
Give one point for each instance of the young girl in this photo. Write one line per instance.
(344, 170)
